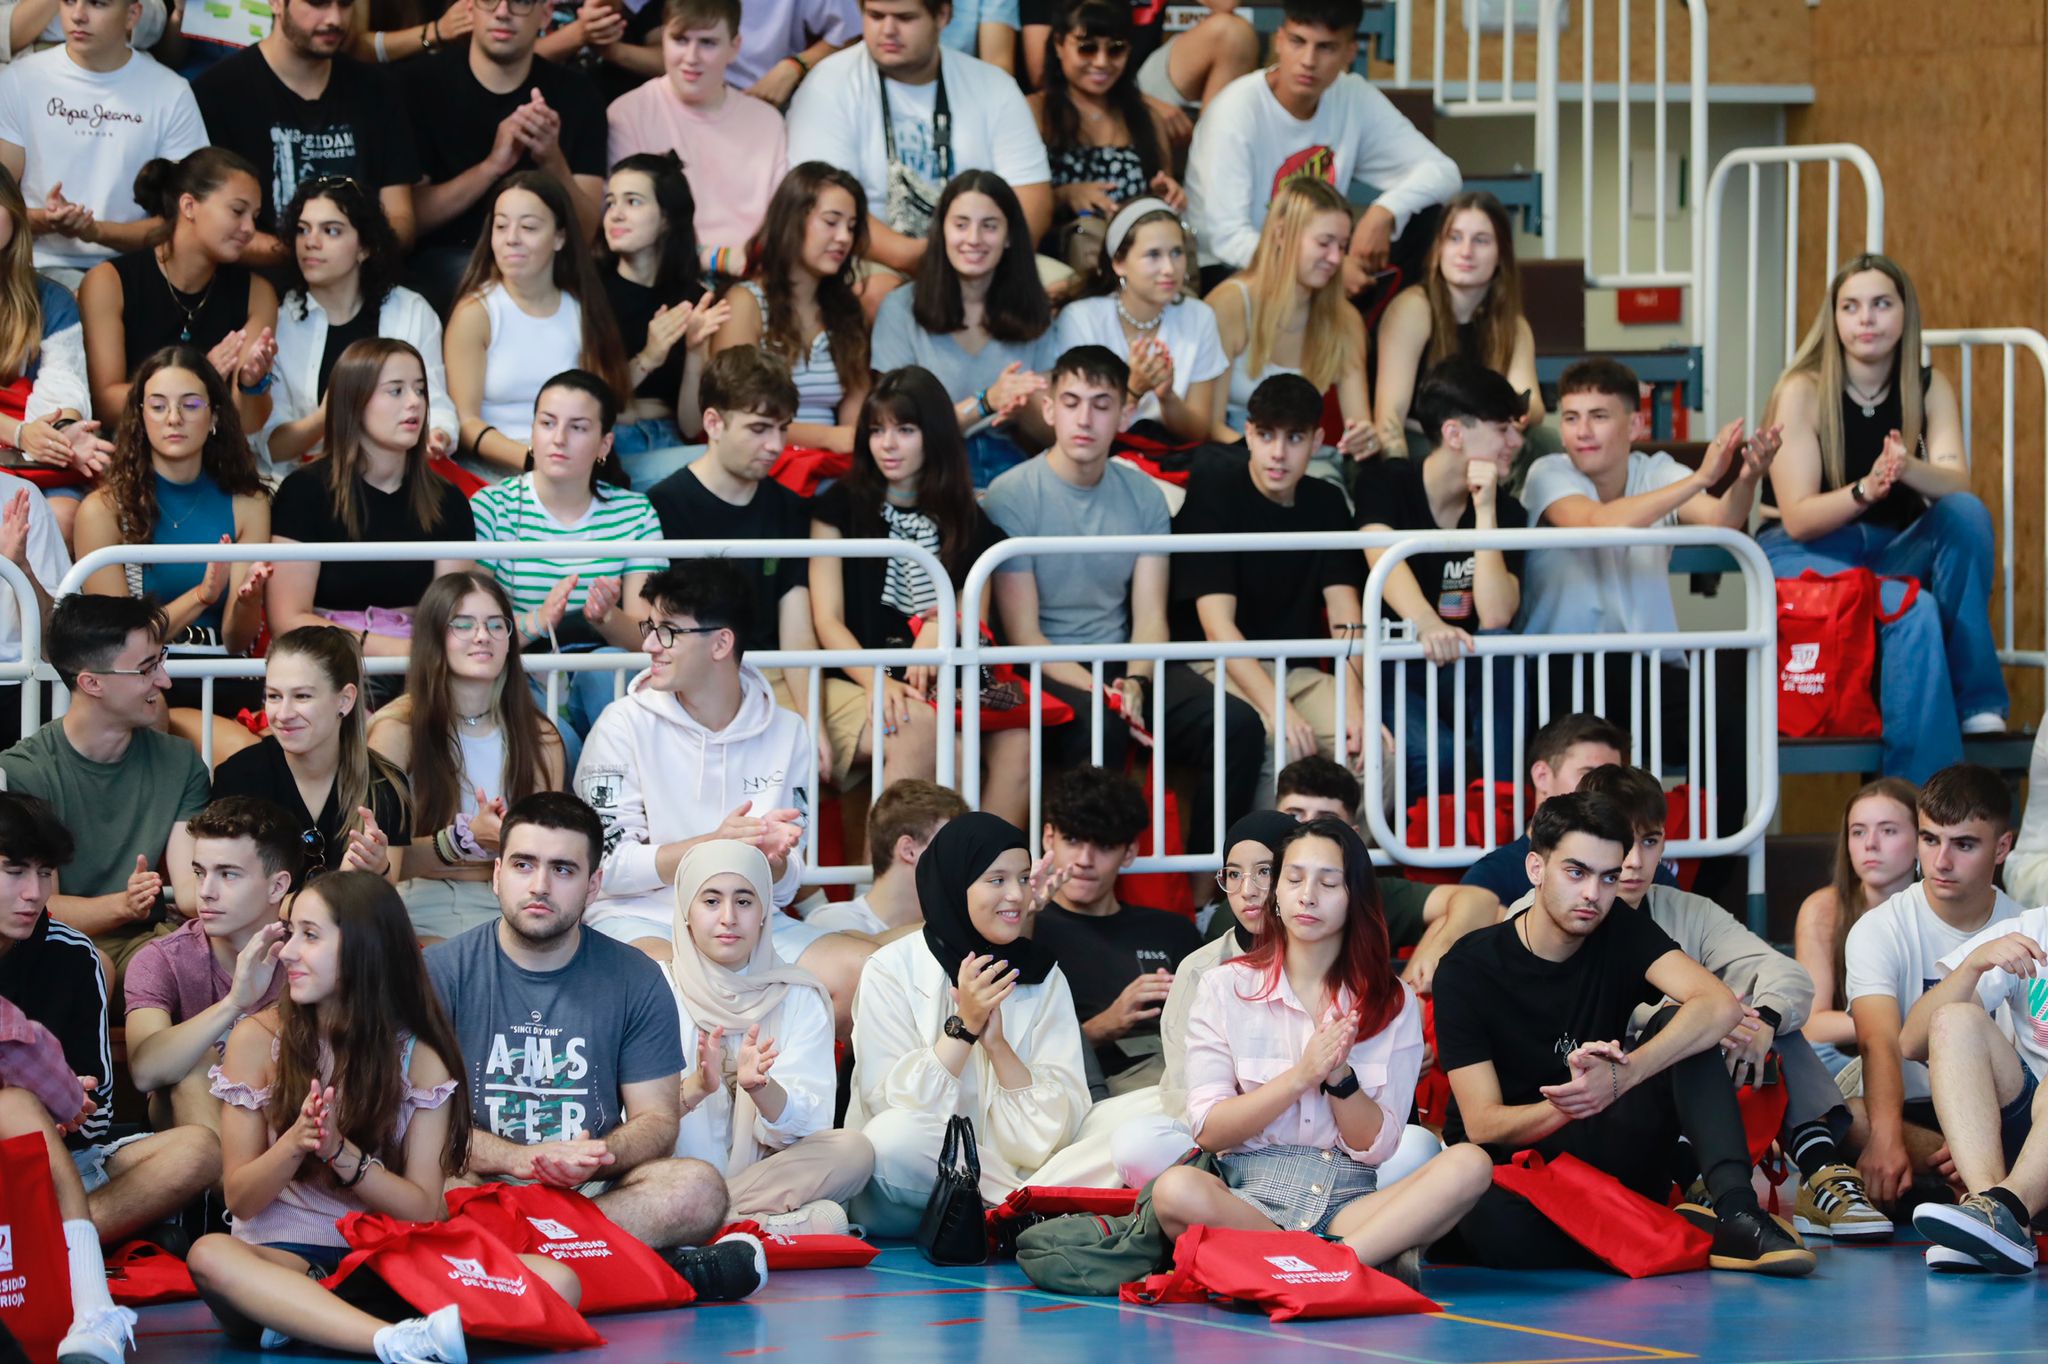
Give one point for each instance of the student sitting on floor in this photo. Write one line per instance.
(1876, 857)
(1301, 1066)
(186, 991)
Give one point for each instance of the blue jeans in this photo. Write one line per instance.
(991, 453)
(1937, 662)
(651, 450)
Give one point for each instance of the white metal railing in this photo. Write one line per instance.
(2008, 342)
(21, 670)
(1762, 319)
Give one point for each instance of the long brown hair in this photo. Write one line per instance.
(21, 301)
(1847, 885)
(225, 458)
(430, 712)
(575, 274)
(381, 995)
(1271, 280)
(1499, 317)
(777, 252)
(1820, 355)
(349, 389)
(945, 484)
(335, 652)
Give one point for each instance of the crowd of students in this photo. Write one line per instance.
(480, 277)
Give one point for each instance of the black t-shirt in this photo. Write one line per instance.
(455, 120)
(53, 976)
(303, 511)
(633, 307)
(1100, 956)
(348, 131)
(611, 79)
(1279, 593)
(875, 623)
(1498, 1001)
(342, 335)
(154, 315)
(690, 511)
(1390, 492)
(261, 771)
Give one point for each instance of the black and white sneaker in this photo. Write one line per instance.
(1751, 1243)
(729, 1269)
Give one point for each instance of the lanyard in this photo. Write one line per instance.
(942, 124)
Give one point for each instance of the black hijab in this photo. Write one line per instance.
(954, 860)
(1266, 828)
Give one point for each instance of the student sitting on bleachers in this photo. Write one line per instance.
(185, 992)
(1875, 858)
(1873, 475)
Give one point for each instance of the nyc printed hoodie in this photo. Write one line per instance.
(655, 775)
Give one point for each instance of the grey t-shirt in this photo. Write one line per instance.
(1082, 598)
(548, 1052)
(899, 341)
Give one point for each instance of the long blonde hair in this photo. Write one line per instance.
(1820, 356)
(335, 652)
(21, 304)
(1497, 322)
(1271, 279)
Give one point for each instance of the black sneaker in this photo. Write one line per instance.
(1751, 1243)
(727, 1270)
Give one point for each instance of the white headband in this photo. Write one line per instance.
(1127, 216)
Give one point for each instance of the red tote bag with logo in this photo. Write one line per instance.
(809, 1250)
(619, 1273)
(1292, 1275)
(1622, 1229)
(35, 1269)
(433, 1264)
(1827, 653)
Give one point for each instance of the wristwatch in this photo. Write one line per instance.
(1856, 491)
(956, 1028)
(1344, 1088)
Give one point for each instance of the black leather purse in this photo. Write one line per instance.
(954, 1228)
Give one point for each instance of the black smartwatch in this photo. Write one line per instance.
(1344, 1088)
(956, 1028)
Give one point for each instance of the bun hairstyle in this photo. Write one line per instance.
(161, 184)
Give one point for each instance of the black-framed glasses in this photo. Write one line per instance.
(150, 666)
(666, 635)
(1091, 48)
(497, 627)
(1230, 878)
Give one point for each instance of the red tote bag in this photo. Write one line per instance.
(143, 1274)
(1292, 1275)
(35, 1269)
(1034, 1203)
(812, 1250)
(1624, 1230)
(618, 1272)
(1827, 653)
(434, 1264)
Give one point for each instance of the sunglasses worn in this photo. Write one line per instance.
(1091, 48)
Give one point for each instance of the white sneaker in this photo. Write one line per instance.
(432, 1339)
(1942, 1260)
(821, 1217)
(1984, 722)
(101, 1337)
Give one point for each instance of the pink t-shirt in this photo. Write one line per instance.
(734, 156)
(178, 974)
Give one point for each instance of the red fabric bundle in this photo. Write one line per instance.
(142, 1274)
(35, 1269)
(1291, 1274)
(823, 1250)
(434, 1264)
(1624, 1230)
(618, 1272)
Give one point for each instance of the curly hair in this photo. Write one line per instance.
(226, 458)
(383, 258)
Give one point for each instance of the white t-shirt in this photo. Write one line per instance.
(1897, 950)
(836, 117)
(93, 130)
(848, 916)
(1597, 591)
(1188, 328)
(2027, 999)
(1246, 145)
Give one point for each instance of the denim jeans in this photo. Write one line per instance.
(651, 450)
(1937, 662)
(990, 453)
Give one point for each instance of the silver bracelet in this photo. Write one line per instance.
(377, 41)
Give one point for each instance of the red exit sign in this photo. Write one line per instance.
(1637, 307)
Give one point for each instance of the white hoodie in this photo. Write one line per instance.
(655, 776)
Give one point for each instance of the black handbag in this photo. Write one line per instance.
(954, 1228)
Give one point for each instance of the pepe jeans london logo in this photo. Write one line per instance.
(472, 1274)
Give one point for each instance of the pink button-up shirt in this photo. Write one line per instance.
(1235, 1044)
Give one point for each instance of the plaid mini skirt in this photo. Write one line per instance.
(1299, 1187)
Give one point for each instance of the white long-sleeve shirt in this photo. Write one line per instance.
(802, 1029)
(1246, 145)
(899, 1015)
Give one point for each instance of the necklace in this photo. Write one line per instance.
(1133, 323)
(164, 503)
(177, 301)
(1867, 401)
(472, 721)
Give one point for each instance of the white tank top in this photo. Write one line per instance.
(525, 352)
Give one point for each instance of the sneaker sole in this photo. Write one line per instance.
(1850, 1231)
(1947, 1225)
(1778, 1264)
(1966, 1266)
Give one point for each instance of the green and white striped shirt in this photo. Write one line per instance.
(512, 510)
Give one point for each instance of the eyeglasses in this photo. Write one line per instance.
(1230, 878)
(193, 406)
(516, 6)
(150, 667)
(497, 627)
(667, 635)
(1090, 48)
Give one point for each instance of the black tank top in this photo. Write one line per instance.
(156, 315)
(1862, 442)
(1466, 349)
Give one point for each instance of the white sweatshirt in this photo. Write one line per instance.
(1245, 144)
(655, 775)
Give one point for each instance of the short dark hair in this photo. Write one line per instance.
(1339, 16)
(693, 14)
(1966, 791)
(1317, 776)
(1579, 813)
(709, 591)
(30, 831)
(1464, 391)
(912, 807)
(280, 843)
(1096, 364)
(1635, 792)
(747, 379)
(87, 630)
(583, 381)
(1095, 805)
(1286, 403)
(556, 810)
(1563, 733)
(1601, 375)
